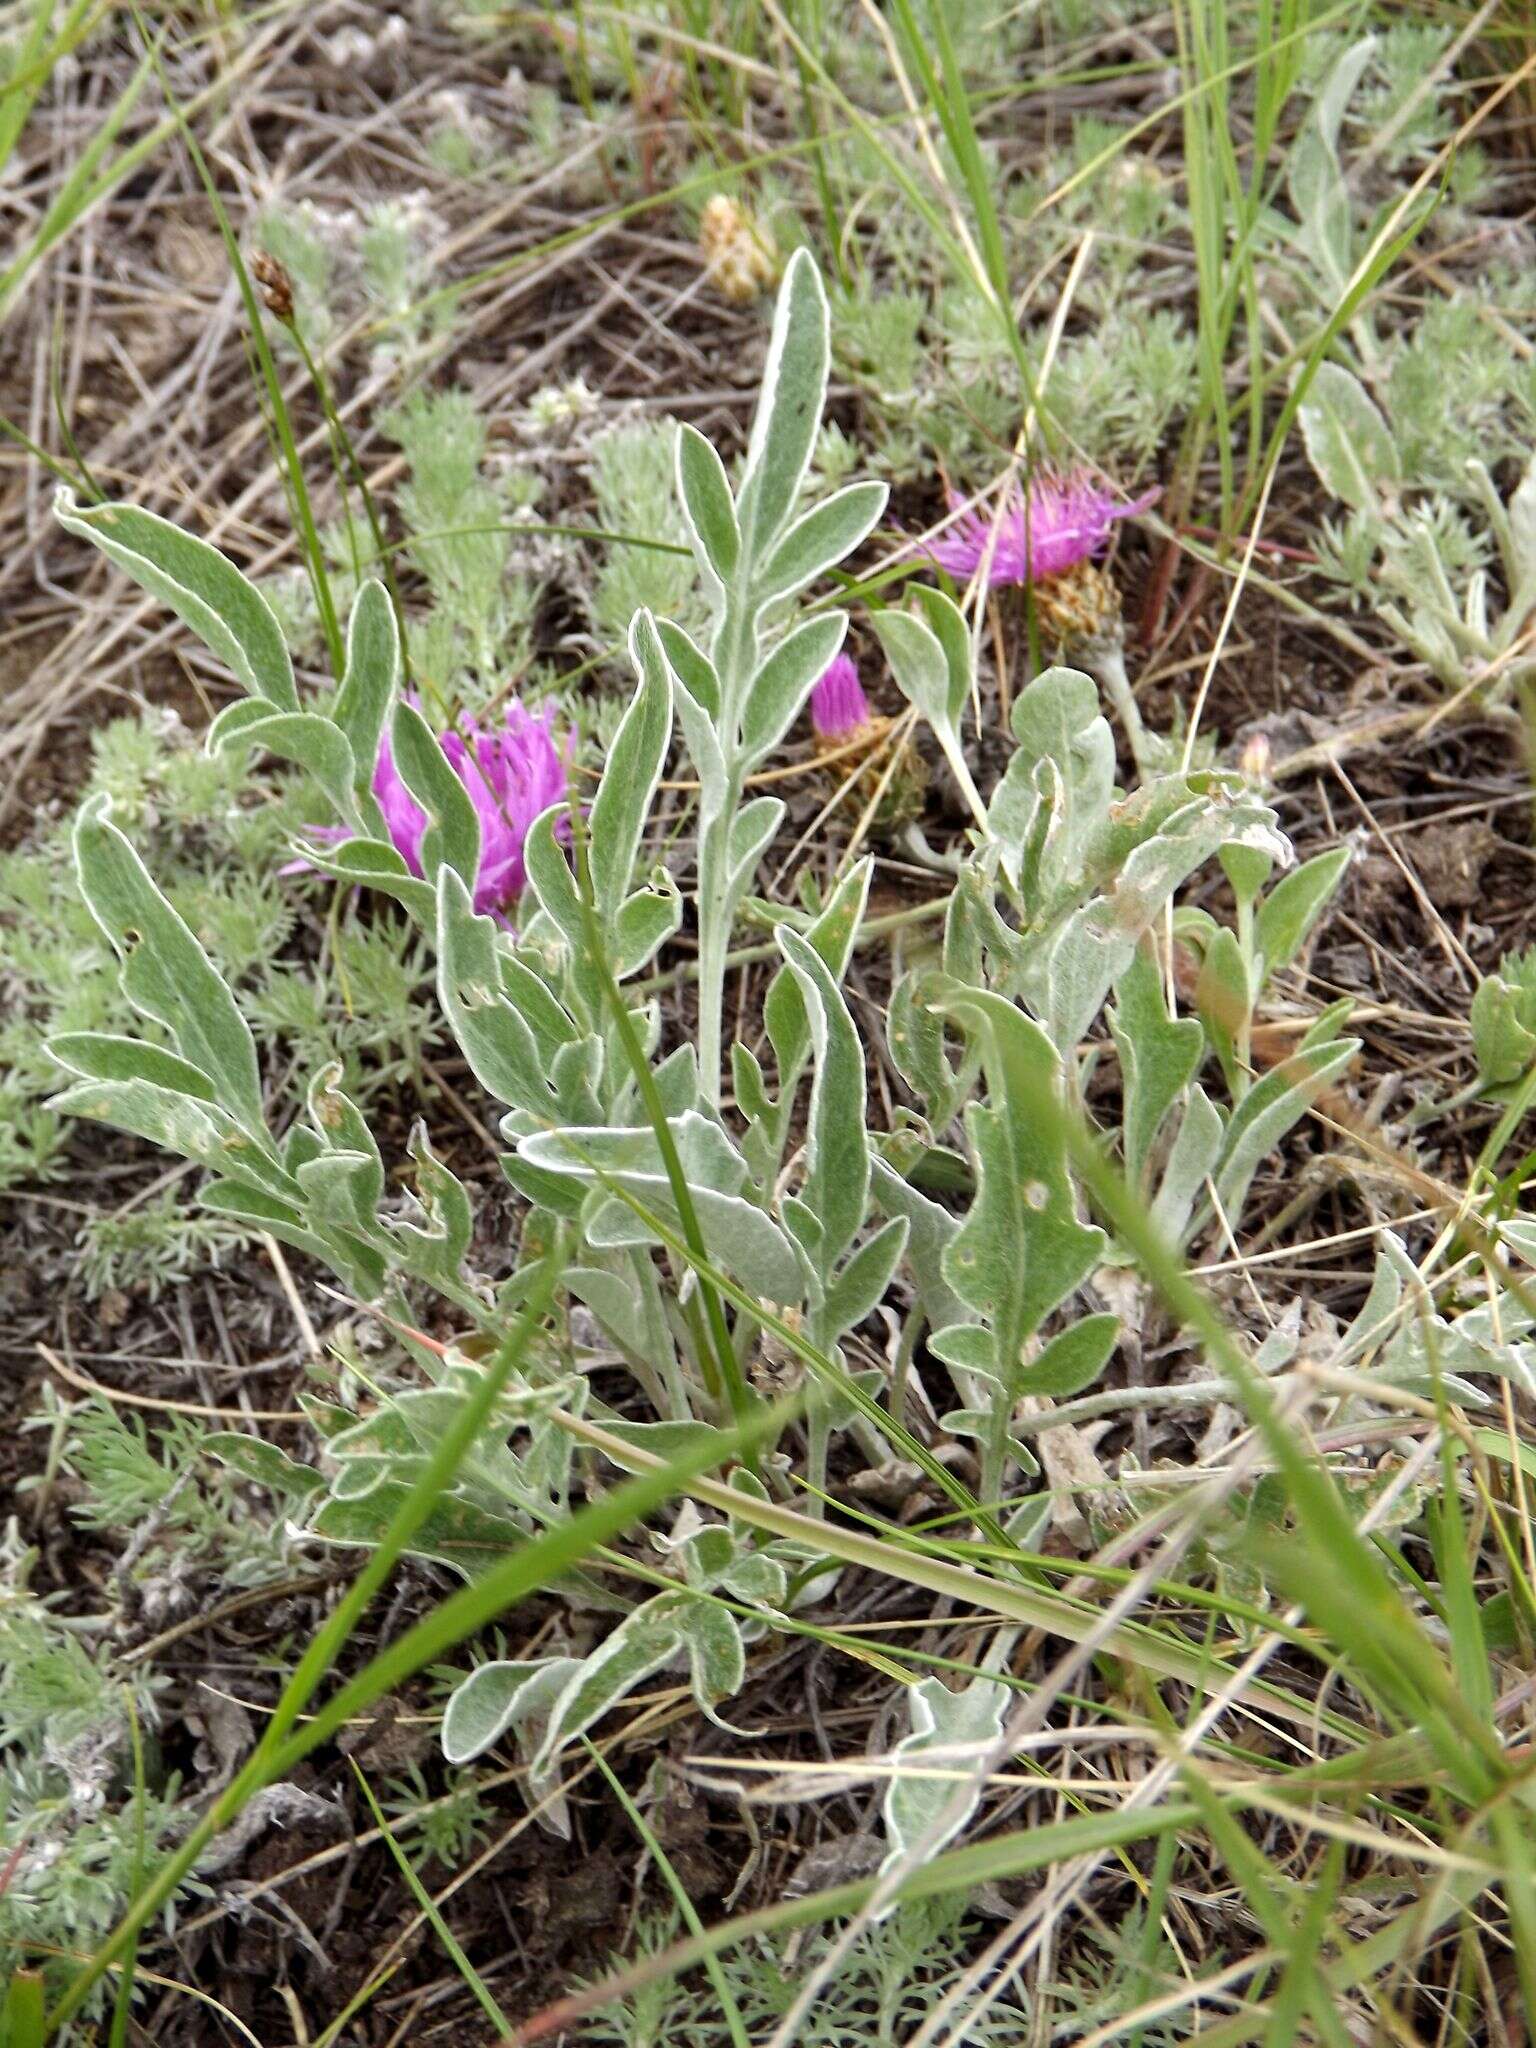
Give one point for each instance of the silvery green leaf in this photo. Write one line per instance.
(835, 1187)
(316, 745)
(922, 673)
(930, 1231)
(642, 926)
(1225, 1002)
(1159, 1057)
(339, 1194)
(752, 831)
(1247, 868)
(1191, 1160)
(1056, 720)
(820, 539)
(1097, 943)
(457, 1533)
(1504, 1044)
(971, 1347)
(619, 811)
(1348, 442)
(717, 1657)
(229, 723)
(205, 590)
(832, 936)
(690, 665)
(1021, 1250)
(788, 415)
(916, 1035)
(99, 1056)
(166, 974)
(951, 1732)
(785, 680)
(371, 676)
(359, 1265)
(1268, 1111)
(860, 1287)
(1291, 909)
(677, 1080)
(263, 1464)
(552, 882)
(485, 1705)
(452, 835)
(1380, 1313)
(708, 508)
(370, 864)
(743, 1237)
(1072, 1360)
(576, 1075)
(495, 1037)
(702, 738)
(435, 1239)
(199, 1130)
(646, 1640)
(1522, 529)
(1318, 189)
(613, 1296)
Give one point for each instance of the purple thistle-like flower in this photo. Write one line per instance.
(839, 707)
(1059, 522)
(511, 773)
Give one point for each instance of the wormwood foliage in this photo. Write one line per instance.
(685, 1230)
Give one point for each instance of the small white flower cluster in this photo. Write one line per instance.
(558, 411)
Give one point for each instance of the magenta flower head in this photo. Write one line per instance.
(1034, 535)
(839, 708)
(512, 773)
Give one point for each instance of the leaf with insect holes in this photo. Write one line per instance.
(951, 1734)
(1159, 1057)
(1348, 442)
(631, 772)
(705, 495)
(820, 539)
(788, 415)
(433, 1236)
(1021, 1250)
(166, 975)
(204, 588)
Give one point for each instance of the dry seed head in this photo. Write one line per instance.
(273, 282)
(901, 800)
(1080, 604)
(739, 256)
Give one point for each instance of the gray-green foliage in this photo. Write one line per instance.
(633, 470)
(217, 836)
(790, 1206)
